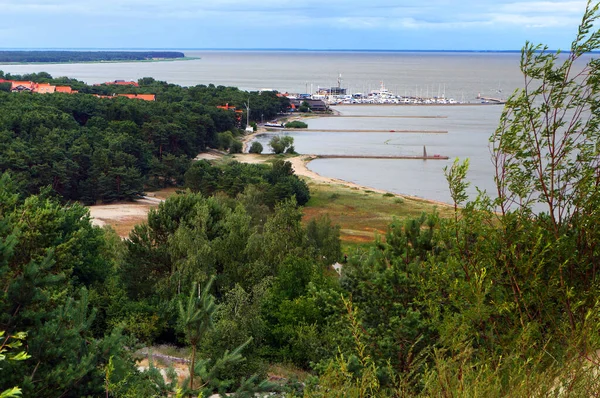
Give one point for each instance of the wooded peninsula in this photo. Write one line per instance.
(228, 289)
(59, 56)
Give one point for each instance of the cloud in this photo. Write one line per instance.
(209, 22)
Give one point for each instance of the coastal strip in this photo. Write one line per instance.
(272, 129)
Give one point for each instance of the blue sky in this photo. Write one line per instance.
(307, 24)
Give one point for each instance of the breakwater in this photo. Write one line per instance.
(414, 157)
(271, 129)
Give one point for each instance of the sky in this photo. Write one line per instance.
(290, 24)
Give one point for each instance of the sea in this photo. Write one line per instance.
(459, 75)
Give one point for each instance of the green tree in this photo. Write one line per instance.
(256, 147)
(279, 144)
(10, 343)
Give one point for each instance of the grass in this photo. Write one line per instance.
(363, 214)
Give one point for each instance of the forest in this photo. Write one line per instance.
(500, 299)
(93, 149)
(57, 56)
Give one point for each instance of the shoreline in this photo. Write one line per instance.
(102, 62)
(300, 165)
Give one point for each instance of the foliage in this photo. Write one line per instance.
(88, 148)
(281, 144)
(276, 182)
(304, 107)
(236, 146)
(256, 147)
(85, 56)
(296, 124)
(10, 343)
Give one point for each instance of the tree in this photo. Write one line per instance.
(9, 343)
(256, 147)
(236, 146)
(304, 107)
(196, 319)
(279, 144)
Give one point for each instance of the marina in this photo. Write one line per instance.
(341, 96)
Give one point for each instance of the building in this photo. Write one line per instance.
(315, 105)
(121, 83)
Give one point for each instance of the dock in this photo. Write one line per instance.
(411, 157)
(359, 130)
(390, 116)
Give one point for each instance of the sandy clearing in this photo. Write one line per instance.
(123, 214)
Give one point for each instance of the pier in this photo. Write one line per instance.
(412, 157)
(358, 130)
(390, 117)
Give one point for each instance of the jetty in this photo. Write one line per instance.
(413, 157)
(390, 116)
(359, 130)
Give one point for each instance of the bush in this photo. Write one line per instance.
(279, 144)
(296, 124)
(236, 146)
(256, 147)
(225, 139)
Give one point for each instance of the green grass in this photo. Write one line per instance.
(363, 214)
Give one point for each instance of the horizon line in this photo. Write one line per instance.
(283, 49)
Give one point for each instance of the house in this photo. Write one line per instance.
(19, 86)
(145, 97)
(316, 105)
(44, 88)
(65, 89)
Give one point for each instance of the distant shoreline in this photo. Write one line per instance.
(331, 50)
(103, 62)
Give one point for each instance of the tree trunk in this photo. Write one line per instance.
(192, 369)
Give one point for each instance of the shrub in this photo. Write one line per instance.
(296, 124)
(256, 147)
(279, 144)
(224, 139)
(236, 146)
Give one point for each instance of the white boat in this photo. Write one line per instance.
(274, 125)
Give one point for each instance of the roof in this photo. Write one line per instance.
(22, 84)
(44, 88)
(64, 89)
(146, 97)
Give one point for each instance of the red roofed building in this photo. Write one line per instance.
(65, 89)
(44, 88)
(18, 86)
(145, 97)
